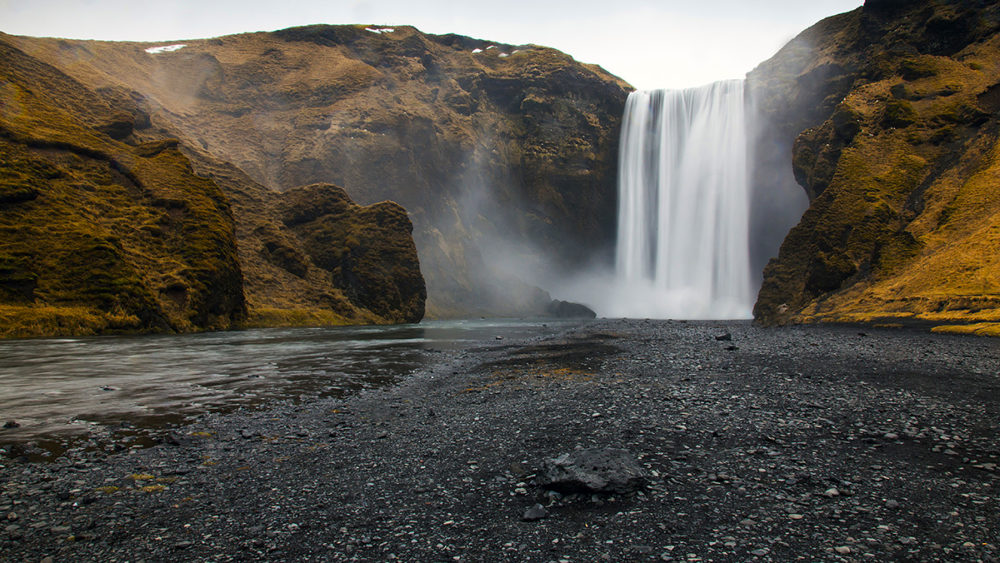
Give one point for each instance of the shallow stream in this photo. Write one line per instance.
(57, 389)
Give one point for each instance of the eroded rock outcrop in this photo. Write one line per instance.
(367, 251)
(894, 115)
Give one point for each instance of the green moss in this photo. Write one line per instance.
(272, 317)
(915, 69)
(90, 228)
(977, 329)
(898, 113)
(828, 271)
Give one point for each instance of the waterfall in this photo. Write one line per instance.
(683, 211)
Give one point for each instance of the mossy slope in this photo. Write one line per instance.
(107, 226)
(900, 154)
(97, 235)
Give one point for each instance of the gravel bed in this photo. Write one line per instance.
(815, 443)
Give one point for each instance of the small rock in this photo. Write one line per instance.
(842, 550)
(12, 516)
(891, 504)
(831, 492)
(11, 424)
(536, 512)
(727, 337)
(760, 552)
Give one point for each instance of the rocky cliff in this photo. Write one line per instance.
(892, 115)
(504, 156)
(106, 225)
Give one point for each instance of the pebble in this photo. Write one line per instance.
(536, 512)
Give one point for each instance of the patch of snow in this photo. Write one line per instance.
(164, 49)
(503, 55)
(380, 30)
(474, 51)
(491, 47)
(516, 51)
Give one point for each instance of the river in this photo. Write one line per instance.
(64, 388)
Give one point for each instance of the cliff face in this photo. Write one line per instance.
(504, 156)
(893, 109)
(107, 226)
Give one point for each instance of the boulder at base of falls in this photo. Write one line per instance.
(569, 310)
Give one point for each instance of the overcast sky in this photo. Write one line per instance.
(649, 43)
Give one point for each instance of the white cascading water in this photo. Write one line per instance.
(683, 216)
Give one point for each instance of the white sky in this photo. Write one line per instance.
(649, 43)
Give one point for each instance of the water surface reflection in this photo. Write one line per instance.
(59, 387)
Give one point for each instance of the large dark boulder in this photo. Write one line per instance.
(607, 470)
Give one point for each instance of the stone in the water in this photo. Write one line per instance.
(536, 512)
(607, 470)
(11, 424)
